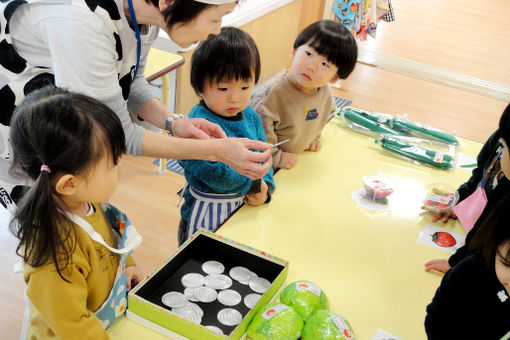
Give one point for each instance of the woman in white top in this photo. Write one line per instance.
(99, 47)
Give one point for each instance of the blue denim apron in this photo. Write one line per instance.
(128, 239)
(208, 211)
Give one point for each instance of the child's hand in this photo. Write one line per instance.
(133, 277)
(445, 216)
(289, 159)
(314, 146)
(259, 197)
(440, 265)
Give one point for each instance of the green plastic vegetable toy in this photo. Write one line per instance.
(376, 117)
(370, 123)
(326, 325)
(387, 124)
(415, 152)
(403, 125)
(305, 297)
(275, 321)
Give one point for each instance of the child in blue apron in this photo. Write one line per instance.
(75, 248)
(479, 195)
(224, 70)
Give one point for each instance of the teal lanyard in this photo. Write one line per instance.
(138, 39)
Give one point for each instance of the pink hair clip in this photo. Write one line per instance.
(46, 168)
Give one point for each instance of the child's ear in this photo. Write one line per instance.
(334, 79)
(292, 53)
(66, 185)
(164, 4)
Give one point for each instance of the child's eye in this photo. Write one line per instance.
(308, 53)
(223, 89)
(503, 259)
(244, 88)
(325, 65)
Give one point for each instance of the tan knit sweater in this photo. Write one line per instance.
(288, 113)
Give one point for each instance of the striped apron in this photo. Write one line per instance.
(208, 211)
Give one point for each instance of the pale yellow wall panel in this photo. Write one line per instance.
(185, 96)
(274, 34)
(312, 11)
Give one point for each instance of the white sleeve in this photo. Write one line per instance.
(83, 59)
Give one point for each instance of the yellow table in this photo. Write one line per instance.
(160, 64)
(368, 263)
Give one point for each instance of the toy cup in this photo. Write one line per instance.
(377, 187)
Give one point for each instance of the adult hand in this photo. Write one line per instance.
(440, 265)
(314, 146)
(133, 276)
(197, 128)
(235, 152)
(259, 197)
(289, 159)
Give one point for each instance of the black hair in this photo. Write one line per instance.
(332, 40)
(504, 125)
(493, 233)
(69, 133)
(232, 54)
(181, 11)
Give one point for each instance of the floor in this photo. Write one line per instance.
(465, 36)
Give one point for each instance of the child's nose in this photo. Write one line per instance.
(232, 98)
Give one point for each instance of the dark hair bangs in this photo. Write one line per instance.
(230, 55)
(504, 125)
(334, 41)
(234, 67)
(326, 45)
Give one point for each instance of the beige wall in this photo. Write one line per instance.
(274, 34)
(312, 11)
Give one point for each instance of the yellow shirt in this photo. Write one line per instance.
(65, 310)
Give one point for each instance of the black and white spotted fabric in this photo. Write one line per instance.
(390, 16)
(18, 77)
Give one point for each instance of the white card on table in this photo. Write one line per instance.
(441, 238)
(382, 335)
